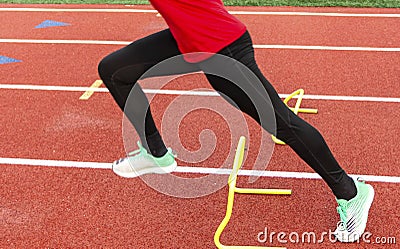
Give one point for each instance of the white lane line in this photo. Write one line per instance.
(82, 42)
(51, 88)
(192, 93)
(78, 10)
(271, 13)
(256, 46)
(349, 98)
(329, 48)
(325, 14)
(54, 163)
(186, 169)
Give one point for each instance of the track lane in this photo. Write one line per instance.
(363, 144)
(265, 29)
(96, 208)
(318, 72)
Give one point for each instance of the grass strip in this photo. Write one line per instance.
(308, 3)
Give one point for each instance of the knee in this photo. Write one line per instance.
(116, 73)
(286, 124)
(104, 70)
(108, 71)
(290, 126)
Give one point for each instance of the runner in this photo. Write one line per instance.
(206, 26)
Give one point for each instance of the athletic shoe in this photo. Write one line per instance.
(140, 162)
(354, 213)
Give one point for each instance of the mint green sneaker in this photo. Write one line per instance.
(354, 213)
(140, 162)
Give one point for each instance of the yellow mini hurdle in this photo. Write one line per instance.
(296, 109)
(233, 189)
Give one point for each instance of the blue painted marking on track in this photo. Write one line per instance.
(50, 23)
(6, 60)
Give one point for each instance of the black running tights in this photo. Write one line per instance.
(121, 70)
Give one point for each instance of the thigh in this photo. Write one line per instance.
(247, 87)
(135, 59)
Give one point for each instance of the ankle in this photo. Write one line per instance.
(155, 145)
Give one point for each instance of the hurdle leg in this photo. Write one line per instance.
(231, 195)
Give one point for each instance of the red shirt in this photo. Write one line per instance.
(199, 25)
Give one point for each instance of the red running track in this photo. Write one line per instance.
(55, 207)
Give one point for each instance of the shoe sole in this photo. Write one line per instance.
(152, 170)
